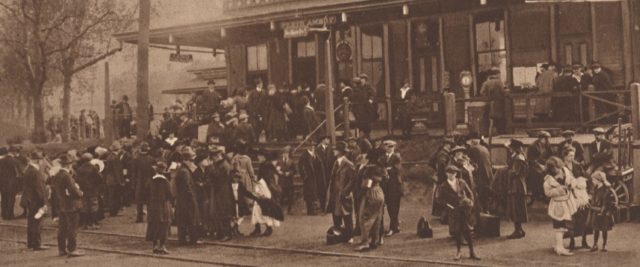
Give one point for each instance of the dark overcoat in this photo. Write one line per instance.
(143, 174)
(66, 192)
(517, 189)
(312, 173)
(222, 202)
(89, 179)
(34, 191)
(339, 196)
(187, 212)
(480, 155)
(159, 208)
(458, 204)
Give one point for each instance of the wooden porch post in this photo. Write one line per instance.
(472, 52)
(626, 42)
(552, 32)
(635, 121)
(387, 77)
(331, 124)
(142, 116)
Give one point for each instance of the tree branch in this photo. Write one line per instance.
(81, 34)
(97, 59)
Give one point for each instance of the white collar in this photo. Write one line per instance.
(159, 176)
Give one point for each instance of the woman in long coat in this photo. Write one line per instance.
(159, 210)
(371, 202)
(516, 189)
(456, 195)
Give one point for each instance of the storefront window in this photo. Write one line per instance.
(372, 58)
(490, 46)
(306, 48)
(257, 58)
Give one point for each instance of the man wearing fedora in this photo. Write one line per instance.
(89, 180)
(568, 143)
(114, 177)
(312, 172)
(69, 200)
(143, 175)
(221, 198)
(340, 197)
(9, 181)
(187, 211)
(33, 198)
(517, 188)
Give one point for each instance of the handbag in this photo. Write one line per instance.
(424, 228)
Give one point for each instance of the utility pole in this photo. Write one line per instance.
(142, 114)
(107, 126)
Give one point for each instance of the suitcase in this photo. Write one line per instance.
(488, 225)
(424, 228)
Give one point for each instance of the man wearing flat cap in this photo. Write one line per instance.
(393, 188)
(570, 143)
(516, 188)
(493, 88)
(600, 145)
(69, 202)
(537, 155)
(341, 184)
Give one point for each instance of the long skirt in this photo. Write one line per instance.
(370, 214)
(580, 222)
(157, 231)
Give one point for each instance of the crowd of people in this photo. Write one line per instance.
(87, 125)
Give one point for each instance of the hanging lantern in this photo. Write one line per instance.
(343, 17)
(405, 10)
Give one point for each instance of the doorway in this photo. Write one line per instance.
(304, 62)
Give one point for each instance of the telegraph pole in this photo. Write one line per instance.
(142, 114)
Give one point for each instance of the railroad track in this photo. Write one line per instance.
(239, 246)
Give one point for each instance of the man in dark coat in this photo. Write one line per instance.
(517, 188)
(258, 108)
(114, 178)
(565, 108)
(393, 187)
(89, 180)
(221, 199)
(319, 98)
(69, 201)
(312, 173)
(407, 99)
(143, 173)
(493, 88)
(364, 108)
(159, 209)
(310, 118)
(325, 154)
(244, 130)
(569, 142)
(33, 198)
(483, 174)
(124, 115)
(602, 82)
(340, 197)
(601, 145)
(210, 100)
(439, 162)
(9, 181)
(187, 213)
(537, 155)
(216, 129)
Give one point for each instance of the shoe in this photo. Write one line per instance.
(563, 252)
(156, 251)
(163, 250)
(268, 231)
(381, 240)
(198, 242)
(516, 235)
(585, 245)
(256, 231)
(392, 232)
(40, 248)
(594, 248)
(62, 253)
(75, 253)
(458, 256)
(473, 256)
(604, 249)
(362, 248)
(351, 241)
(225, 238)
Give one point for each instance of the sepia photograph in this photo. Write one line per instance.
(319, 133)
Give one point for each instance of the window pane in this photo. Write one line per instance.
(311, 49)
(376, 44)
(301, 49)
(497, 35)
(483, 37)
(252, 59)
(262, 57)
(484, 61)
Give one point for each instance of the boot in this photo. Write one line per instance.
(559, 248)
(585, 245)
(472, 254)
(268, 231)
(458, 256)
(256, 231)
(594, 248)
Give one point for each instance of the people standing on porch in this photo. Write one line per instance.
(537, 155)
(570, 143)
(258, 109)
(544, 82)
(516, 188)
(311, 120)
(494, 90)
(363, 106)
(457, 197)
(564, 107)
(602, 82)
(340, 197)
(124, 113)
(276, 126)
(407, 102)
(210, 100)
(319, 99)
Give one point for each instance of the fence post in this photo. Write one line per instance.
(347, 128)
(590, 104)
(449, 113)
(529, 113)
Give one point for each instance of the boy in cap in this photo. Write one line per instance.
(393, 189)
(569, 142)
(600, 144)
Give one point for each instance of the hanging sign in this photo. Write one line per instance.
(300, 28)
(183, 58)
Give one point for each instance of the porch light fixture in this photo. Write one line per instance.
(171, 38)
(223, 32)
(343, 17)
(405, 10)
(272, 26)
